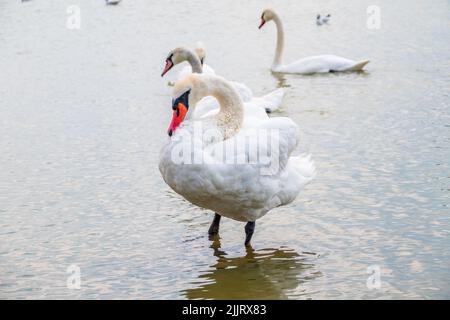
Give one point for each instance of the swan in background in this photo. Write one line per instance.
(322, 20)
(181, 54)
(231, 185)
(270, 102)
(112, 2)
(313, 64)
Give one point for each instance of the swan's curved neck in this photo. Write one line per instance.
(278, 60)
(231, 113)
(194, 61)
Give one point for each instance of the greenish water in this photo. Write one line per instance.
(84, 113)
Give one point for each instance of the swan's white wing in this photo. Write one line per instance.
(254, 112)
(274, 137)
(271, 101)
(208, 70)
(187, 70)
(321, 64)
(206, 107)
(244, 92)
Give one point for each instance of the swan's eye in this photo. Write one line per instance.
(180, 107)
(183, 99)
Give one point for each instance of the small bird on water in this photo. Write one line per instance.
(322, 20)
(112, 2)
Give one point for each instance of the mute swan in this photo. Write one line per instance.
(270, 102)
(182, 54)
(233, 184)
(313, 64)
(322, 20)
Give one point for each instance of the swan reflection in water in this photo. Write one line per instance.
(281, 80)
(260, 274)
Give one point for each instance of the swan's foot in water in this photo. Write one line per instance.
(214, 228)
(249, 229)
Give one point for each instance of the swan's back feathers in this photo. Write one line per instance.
(305, 167)
(244, 91)
(321, 64)
(187, 70)
(271, 101)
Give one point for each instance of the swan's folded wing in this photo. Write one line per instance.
(268, 144)
(271, 101)
(244, 91)
(207, 106)
(284, 137)
(187, 70)
(319, 64)
(208, 70)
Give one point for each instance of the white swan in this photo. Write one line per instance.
(314, 64)
(211, 161)
(270, 102)
(181, 54)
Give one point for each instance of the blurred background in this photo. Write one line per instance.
(84, 113)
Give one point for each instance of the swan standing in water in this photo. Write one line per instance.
(314, 64)
(236, 186)
(270, 102)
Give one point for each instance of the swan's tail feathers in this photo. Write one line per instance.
(272, 100)
(359, 66)
(305, 167)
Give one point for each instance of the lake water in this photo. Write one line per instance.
(84, 113)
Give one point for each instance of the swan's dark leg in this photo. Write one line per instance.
(214, 228)
(249, 229)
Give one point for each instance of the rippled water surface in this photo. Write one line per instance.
(84, 113)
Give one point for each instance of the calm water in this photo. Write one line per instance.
(84, 113)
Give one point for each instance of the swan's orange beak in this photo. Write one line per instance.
(178, 116)
(262, 23)
(169, 65)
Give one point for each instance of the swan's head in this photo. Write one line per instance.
(191, 89)
(186, 93)
(200, 51)
(176, 56)
(267, 15)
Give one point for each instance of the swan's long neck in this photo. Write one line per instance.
(231, 114)
(278, 60)
(194, 61)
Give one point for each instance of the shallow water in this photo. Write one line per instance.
(84, 113)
